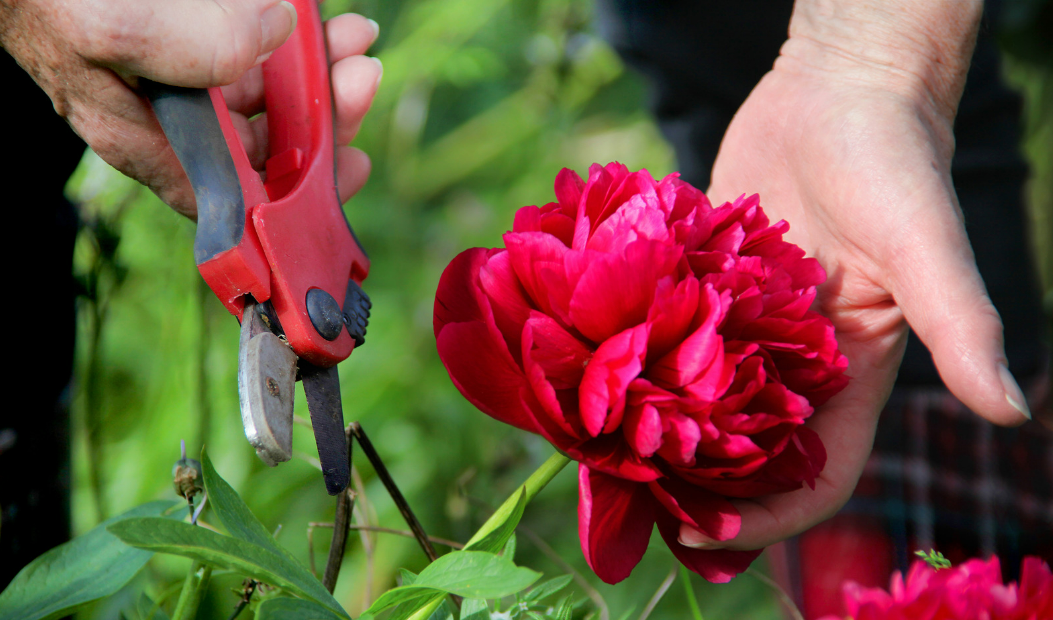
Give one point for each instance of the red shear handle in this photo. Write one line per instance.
(299, 224)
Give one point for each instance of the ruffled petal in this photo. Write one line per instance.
(615, 520)
(615, 291)
(606, 379)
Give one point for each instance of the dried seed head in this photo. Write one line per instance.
(186, 478)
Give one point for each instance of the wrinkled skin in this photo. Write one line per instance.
(87, 55)
(666, 345)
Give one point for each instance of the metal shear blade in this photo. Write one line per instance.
(266, 379)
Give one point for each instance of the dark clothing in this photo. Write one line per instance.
(41, 153)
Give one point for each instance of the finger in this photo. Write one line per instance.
(253, 136)
(186, 42)
(846, 425)
(349, 35)
(935, 281)
(246, 95)
(346, 35)
(355, 82)
(352, 171)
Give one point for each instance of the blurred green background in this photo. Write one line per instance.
(482, 102)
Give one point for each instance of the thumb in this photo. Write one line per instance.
(194, 43)
(941, 293)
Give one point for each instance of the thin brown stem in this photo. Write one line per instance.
(345, 503)
(393, 490)
(361, 515)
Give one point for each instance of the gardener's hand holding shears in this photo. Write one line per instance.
(276, 248)
(89, 54)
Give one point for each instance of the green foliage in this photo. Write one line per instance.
(934, 559)
(85, 569)
(283, 608)
(250, 550)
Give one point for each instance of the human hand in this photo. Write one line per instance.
(87, 55)
(849, 138)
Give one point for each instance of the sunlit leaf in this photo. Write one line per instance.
(495, 540)
(252, 560)
(87, 568)
(547, 588)
(469, 574)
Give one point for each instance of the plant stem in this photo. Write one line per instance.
(659, 593)
(537, 481)
(345, 503)
(393, 490)
(784, 597)
(193, 591)
(692, 602)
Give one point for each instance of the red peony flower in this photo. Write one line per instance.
(665, 345)
(969, 591)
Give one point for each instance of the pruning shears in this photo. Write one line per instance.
(279, 253)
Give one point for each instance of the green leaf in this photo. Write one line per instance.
(496, 539)
(261, 563)
(284, 608)
(474, 609)
(547, 588)
(233, 512)
(469, 574)
(149, 609)
(85, 569)
(565, 610)
(509, 550)
(408, 577)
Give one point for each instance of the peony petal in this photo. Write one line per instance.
(484, 372)
(635, 220)
(698, 353)
(615, 520)
(508, 300)
(643, 429)
(610, 454)
(707, 512)
(717, 566)
(615, 291)
(527, 220)
(554, 422)
(562, 356)
(568, 191)
(606, 379)
(529, 254)
(674, 308)
(458, 297)
(680, 438)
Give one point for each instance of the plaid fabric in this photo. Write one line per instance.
(939, 477)
(942, 477)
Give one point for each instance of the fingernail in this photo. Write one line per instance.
(262, 58)
(690, 537)
(277, 23)
(376, 28)
(380, 66)
(1013, 394)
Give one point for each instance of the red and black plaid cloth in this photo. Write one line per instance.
(940, 477)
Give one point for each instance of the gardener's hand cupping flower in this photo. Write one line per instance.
(849, 139)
